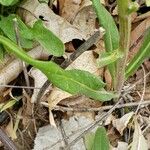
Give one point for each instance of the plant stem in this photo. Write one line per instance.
(125, 29)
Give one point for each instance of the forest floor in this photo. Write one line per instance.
(41, 117)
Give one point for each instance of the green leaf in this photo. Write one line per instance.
(101, 141)
(85, 84)
(7, 26)
(147, 3)
(89, 140)
(47, 39)
(8, 2)
(44, 1)
(111, 36)
(8, 105)
(2, 52)
(72, 81)
(142, 54)
(108, 58)
(133, 7)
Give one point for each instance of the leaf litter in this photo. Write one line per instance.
(77, 20)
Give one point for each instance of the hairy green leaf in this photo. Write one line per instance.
(108, 58)
(101, 141)
(142, 54)
(8, 28)
(8, 2)
(47, 39)
(89, 140)
(72, 81)
(111, 36)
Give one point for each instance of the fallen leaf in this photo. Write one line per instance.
(39, 80)
(137, 37)
(121, 146)
(69, 9)
(109, 119)
(58, 25)
(53, 138)
(108, 79)
(10, 129)
(85, 19)
(139, 142)
(121, 123)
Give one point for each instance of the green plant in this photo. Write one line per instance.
(117, 44)
(78, 81)
(72, 81)
(97, 140)
(116, 53)
(8, 2)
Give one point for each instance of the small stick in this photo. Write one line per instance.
(7, 141)
(19, 87)
(140, 80)
(144, 88)
(25, 72)
(103, 108)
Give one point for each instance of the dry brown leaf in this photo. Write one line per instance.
(139, 30)
(69, 9)
(85, 20)
(113, 136)
(121, 146)
(49, 137)
(109, 119)
(115, 11)
(13, 69)
(142, 16)
(10, 130)
(137, 36)
(58, 25)
(80, 102)
(148, 139)
(39, 80)
(108, 79)
(56, 96)
(51, 119)
(121, 123)
(139, 142)
(80, 13)
(27, 109)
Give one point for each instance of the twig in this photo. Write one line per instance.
(25, 72)
(144, 88)
(93, 125)
(63, 133)
(7, 141)
(14, 68)
(103, 108)
(147, 127)
(140, 80)
(19, 87)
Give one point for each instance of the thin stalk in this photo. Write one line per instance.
(125, 29)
